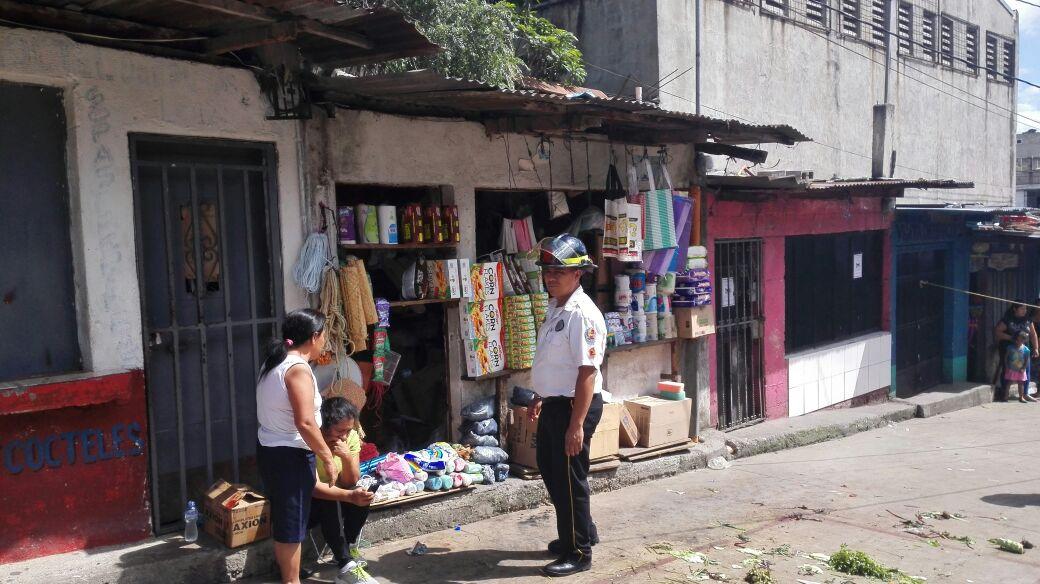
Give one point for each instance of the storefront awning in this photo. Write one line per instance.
(539, 107)
(797, 185)
(226, 31)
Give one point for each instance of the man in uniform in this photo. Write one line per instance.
(567, 380)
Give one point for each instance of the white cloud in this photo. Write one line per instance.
(1028, 18)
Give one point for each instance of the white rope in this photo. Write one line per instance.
(314, 256)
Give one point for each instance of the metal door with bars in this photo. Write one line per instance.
(738, 313)
(209, 268)
(919, 321)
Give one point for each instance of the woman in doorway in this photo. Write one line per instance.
(1016, 320)
(288, 411)
(349, 499)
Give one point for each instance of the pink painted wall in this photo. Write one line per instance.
(772, 221)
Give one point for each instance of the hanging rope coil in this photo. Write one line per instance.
(332, 308)
(315, 256)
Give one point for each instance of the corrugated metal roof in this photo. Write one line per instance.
(327, 32)
(797, 186)
(429, 93)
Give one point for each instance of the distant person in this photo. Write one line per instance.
(340, 429)
(1016, 367)
(1034, 366)
(288, 411)
(1016, 320)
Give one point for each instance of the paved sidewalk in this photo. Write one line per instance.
(977, 463)
(208, 561)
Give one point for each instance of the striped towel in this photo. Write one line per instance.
(660, 220)
(666, 260)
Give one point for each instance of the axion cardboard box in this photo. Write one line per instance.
(660, 421)
(236, 514)
(523, 444)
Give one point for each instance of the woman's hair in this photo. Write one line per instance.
(297, 328)
(335, 410)
(1010, 313)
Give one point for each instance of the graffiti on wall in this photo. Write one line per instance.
(86, 446)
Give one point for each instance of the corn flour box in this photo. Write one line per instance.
(482, 319)
(484, 355)
(486, 281)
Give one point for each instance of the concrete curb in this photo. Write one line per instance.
(953, 398)
(820, 426)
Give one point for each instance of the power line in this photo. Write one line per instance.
(1028, 3)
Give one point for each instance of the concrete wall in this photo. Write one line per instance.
(769, 70)
(382, 149)
(109, 94)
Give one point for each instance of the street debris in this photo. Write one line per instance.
(688, 556)
(809, 570)
(784, 550)
(743, 537)
(704, 575)
(759, 575)
(750, 552)
(719, 463)
(676, 492)
(919, 527)
(419, 549)
(940, 515)
(1008, 545)
(857, 563)
(1027, 544)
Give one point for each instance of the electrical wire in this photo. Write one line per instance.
(1028, 3)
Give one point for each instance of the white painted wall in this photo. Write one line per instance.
(829, 375)
(374, 148)
(109, 94)
(770, 71)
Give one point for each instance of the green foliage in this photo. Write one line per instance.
(857, 563)
(493, 42)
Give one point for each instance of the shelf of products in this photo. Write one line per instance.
(495, 375)
(633, 346)
(404, 303)
(389, 246)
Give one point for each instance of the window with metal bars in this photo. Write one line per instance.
(905, 23)
(777, 7)
(971, 48)
(850, 23)
(1008, 68)
(878, 21)
(946, 41)
(810, 12)
(816, 12)
(927, 49)
(991, 55)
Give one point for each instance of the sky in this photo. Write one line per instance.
(1029, 63)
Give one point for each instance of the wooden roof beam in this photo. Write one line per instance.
(335, 34)
(233, 8)
(750, 154)
(267, 34)
(74, 22)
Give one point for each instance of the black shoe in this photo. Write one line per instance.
(568, 565)
(556, 547)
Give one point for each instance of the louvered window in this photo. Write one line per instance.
(946, 41)
(816, 12)
(1008, 68)
(850, 24)
(971, 48)
(878, 21)
(928, 34)
(906, 28)
(777, 7)
(991, 55)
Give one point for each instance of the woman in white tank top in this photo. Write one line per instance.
(288, 409)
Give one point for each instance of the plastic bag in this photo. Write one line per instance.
(471, 439)
(481, 409)
(437, 457)
(481, 428)
(522, 396)
(489, 455)
(395, 468)
(501, 472)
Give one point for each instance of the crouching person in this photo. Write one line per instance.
(341, 431)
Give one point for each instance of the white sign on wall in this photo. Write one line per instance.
(728, 293)
(857, 266)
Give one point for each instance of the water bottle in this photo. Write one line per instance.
(191, 523)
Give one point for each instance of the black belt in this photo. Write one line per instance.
(555, 399)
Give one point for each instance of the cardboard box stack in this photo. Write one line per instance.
(521, 334)
(660, 421)
(523, 443)
(483, 320)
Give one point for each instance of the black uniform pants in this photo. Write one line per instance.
(566, 477)
(338, 536)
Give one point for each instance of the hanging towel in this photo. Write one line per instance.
(665, 260)
(659, 218)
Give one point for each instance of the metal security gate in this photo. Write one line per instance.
(919, 321)
(209, 269)
(738, 314)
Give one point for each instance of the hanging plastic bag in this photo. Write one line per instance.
(614, 228)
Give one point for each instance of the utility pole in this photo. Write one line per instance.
(697, 56)
(884, 113)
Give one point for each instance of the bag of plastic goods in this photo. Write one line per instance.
(522, 396)
(482, 409)
(489, 455)
(486, 427)
(471, 439)
(394, 468)
(501, 472)
(438, 457)
(489, 474)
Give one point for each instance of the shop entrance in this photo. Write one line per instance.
(919, 321)
(211, 296)
(738, 314)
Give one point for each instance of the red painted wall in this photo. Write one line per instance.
(772, 221)
(73, 466)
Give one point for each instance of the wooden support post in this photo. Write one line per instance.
(502, 399)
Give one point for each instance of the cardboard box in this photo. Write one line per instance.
(464, 278)
(482, 319)
(486, 281)
(629, 435)
(484, 355)
(454, 286)
(522, 442)
(695, 322)
(236, 514)
(660, 421)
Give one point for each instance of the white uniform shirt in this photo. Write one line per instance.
(572, 336)
(274, 411)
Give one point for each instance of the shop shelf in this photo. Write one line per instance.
(404, 303)
(495, 375)
(634, 346)
(391, 246)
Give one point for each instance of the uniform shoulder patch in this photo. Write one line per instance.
(592, 352)
(590, 334)
(559, 325)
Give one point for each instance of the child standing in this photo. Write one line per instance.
(1016, 366)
